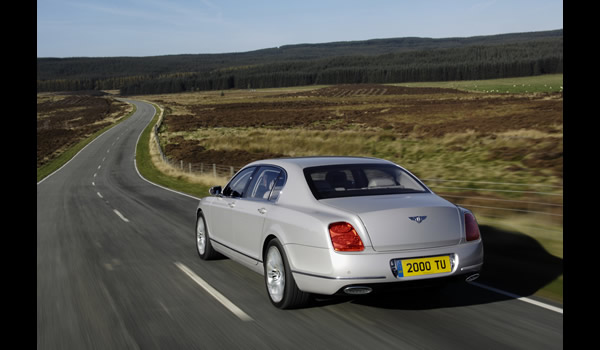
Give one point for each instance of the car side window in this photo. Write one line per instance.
(237, 185)
(279, 183)
(263, 182)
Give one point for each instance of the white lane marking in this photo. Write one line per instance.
(93, 183)
(108, 150)
(99, 166)
(95, 174)
(220, 298)
(120, 215)
(515, 296)
(166, 309)
(99, 195)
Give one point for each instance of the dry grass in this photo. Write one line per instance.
(467, 155)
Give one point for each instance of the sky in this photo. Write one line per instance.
(110, 28)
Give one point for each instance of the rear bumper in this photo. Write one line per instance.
(430, 283)
(323, 271)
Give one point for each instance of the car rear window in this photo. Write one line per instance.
(334, 181)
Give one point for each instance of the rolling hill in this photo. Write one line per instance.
(368, 61)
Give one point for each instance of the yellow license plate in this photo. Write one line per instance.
(423, 266)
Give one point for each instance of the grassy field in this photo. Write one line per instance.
(539, 84)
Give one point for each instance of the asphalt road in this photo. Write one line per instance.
(112, 255)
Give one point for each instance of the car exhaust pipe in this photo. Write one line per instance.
(357, 290)
(472, 277)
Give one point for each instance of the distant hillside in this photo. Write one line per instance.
(377, 60)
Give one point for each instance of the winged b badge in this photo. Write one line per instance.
(418, 219)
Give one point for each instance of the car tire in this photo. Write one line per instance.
(203, 245)
(279, 281)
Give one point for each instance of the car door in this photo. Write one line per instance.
(222, 210)
(251, 210)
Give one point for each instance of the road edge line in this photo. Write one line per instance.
(138, 171)
(518, 297)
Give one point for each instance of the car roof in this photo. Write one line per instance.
(305, 162)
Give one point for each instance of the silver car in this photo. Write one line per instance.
(327, 225)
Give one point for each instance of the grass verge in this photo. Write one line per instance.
(523, 261)
(150, 166)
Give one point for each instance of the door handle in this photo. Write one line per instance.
(262, 210)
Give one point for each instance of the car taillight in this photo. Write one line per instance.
(345, 238)
(471, 227)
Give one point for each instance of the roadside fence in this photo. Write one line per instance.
(216, 170)
(501, 199)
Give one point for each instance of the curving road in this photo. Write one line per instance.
(117, 269)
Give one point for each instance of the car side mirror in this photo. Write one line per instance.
(215, 191)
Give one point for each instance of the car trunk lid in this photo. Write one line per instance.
(405, 221)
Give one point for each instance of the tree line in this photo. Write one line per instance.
(416, 61)
(472, 63)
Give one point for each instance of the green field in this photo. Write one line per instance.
(541, 83)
